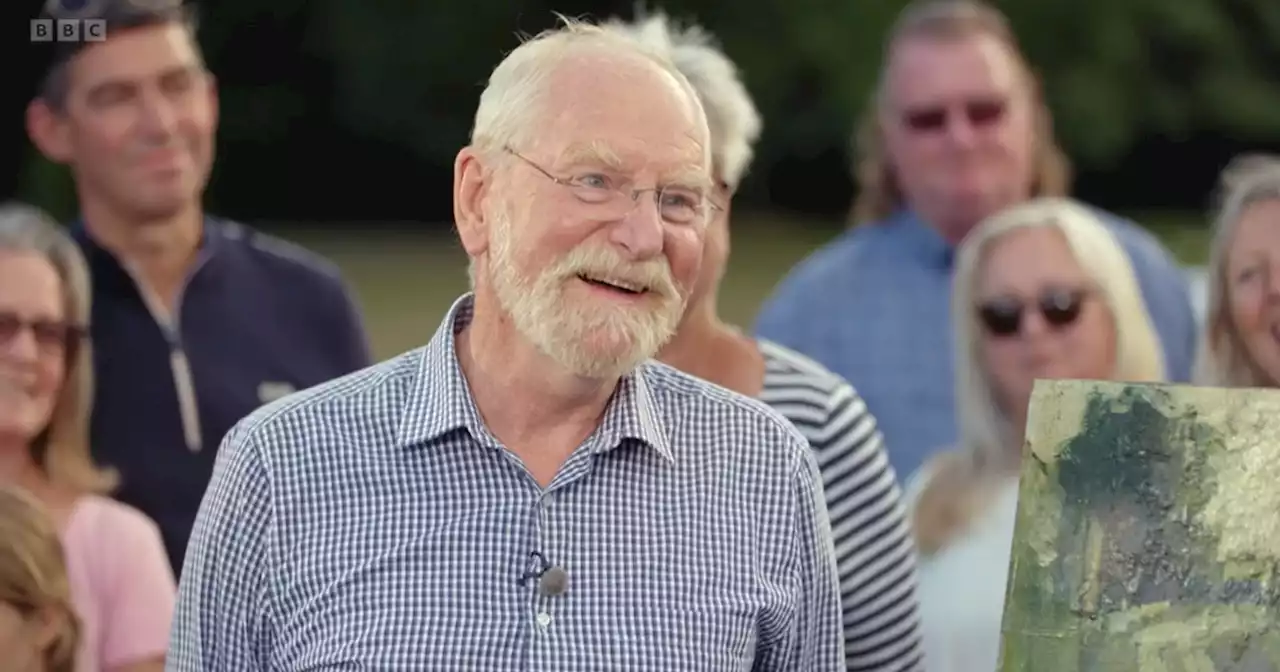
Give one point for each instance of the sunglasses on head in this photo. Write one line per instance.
(1060, 308)
(935, 118)
(49, 335)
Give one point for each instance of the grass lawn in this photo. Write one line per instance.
(406, 279)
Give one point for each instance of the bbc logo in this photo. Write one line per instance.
(68, 30)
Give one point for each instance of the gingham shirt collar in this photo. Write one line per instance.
(440, 400)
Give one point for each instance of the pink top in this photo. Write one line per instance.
(121, 584)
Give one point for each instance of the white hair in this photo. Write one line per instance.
(1223, 360)
(959, 481)
(734, 121)
(518, 87)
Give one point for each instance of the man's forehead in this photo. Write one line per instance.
(942, 66)
(682, 161)
(136, 54)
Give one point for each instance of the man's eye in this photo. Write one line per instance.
(680, 199)
(594, 181)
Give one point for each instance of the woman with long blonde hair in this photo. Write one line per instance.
(1241, 342)
(1042, 290)
(120, 581)
(38, 627)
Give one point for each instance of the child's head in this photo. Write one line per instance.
(38, 628)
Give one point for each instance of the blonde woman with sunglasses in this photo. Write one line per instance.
(1042, 290)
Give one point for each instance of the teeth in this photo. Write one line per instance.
(622, 284)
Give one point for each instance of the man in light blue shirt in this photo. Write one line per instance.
(530, 491)
(959, 132)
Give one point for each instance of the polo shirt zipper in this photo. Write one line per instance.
(179, 363)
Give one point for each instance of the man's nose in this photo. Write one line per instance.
(158, 115)
(639, 234)
(960, 130)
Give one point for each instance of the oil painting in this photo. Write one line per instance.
(1148, 531)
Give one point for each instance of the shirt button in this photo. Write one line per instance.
(544, 619)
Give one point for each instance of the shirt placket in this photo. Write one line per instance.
(546, 608)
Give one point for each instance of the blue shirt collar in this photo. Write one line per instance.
(440, 400)
(922, 240)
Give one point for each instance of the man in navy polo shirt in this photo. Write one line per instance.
(196, 320)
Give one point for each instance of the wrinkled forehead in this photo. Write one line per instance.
(938, 69)
(629, 115)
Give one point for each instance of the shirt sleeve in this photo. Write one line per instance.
(222, 621)
(139, 590)
(875, 554)
(816, 643)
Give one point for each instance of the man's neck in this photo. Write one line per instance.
(160, 253)
(523, 396)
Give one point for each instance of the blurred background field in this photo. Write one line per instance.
(406, 276)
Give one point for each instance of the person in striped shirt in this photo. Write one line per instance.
(874, 550)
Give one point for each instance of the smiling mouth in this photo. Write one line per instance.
(617, 285)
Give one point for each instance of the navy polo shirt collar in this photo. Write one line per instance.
(106, 270)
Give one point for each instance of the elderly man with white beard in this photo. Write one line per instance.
(530, 491)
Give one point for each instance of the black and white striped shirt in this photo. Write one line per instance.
(874, 550)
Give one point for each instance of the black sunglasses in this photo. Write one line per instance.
(1060, 308)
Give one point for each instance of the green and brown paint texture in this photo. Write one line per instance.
(1148, 531)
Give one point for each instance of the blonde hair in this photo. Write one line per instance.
(1223, 360)
(518, 87)
(33, 575)
(732, 116)
(957, 488)
(62, 449)
(879, 193)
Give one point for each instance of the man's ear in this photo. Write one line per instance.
(48, 131)
(471, 183)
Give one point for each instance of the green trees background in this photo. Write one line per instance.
(340, 110)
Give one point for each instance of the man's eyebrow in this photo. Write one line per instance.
(127, 81)
(594, 152)
(693, 178)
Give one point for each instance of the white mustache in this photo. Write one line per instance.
(605, 264)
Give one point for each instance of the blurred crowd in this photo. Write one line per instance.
(903, 353)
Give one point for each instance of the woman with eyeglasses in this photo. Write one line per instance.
(1042, 290)
(121, 584)
(1241, 343)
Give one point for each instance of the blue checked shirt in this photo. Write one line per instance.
(874, 307)
(374, 523)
